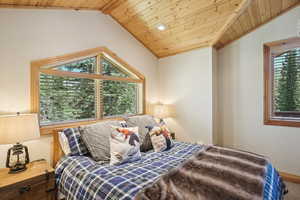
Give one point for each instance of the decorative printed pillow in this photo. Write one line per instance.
(147, 144)
(76, 144)
(124, 145)
(143, 122)
(123, 124)
(160, 138)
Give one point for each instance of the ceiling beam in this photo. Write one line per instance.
(231, 19)
(110, 6)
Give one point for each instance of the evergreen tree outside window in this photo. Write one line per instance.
(86, 88)
(282, 83)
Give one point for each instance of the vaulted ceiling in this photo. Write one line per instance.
(189, 24)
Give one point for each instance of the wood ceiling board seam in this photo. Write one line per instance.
(181, 33)
(251, 21)
(262, 10)
(185, 50)
(237, 12)
(256, 7)
(253, 13)
(194, 23)
(189, 35)
(249, 31)
(133, 10)
(244, 21)
(188, 16)
(132, 6)
(159, 13)
(136, 38)
(268, 8)
(41, 7)
(178, 44)
(109, 7)
(288, 3)
(277, 7)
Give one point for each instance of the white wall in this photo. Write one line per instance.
(241, 96)
(28, 35)
(186, 81)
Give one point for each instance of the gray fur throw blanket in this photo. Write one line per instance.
(214, 173)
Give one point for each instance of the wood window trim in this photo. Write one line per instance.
(268, 83)
(37, 67)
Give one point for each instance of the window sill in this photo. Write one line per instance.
(282, 122)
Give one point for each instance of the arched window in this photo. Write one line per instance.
(85, 87)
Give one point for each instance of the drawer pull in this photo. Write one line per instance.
(50, 190)
(24, 189)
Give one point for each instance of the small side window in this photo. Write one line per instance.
(282, 82)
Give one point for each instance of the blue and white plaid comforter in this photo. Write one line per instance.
(81, 178)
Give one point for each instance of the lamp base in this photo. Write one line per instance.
(18, 167)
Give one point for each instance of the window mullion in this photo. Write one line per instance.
(98, 90)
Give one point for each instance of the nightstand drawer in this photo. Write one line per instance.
(37, 188)
(42, 191)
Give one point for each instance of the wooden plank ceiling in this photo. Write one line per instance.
(190, 23)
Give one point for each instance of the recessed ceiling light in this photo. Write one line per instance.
(161, 27)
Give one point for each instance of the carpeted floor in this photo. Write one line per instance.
(294, 191)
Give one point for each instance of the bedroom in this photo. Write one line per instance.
(207, 64)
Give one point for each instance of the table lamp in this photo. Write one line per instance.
(161, 111)
(15, 129)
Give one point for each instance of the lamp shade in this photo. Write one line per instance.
(19, 128)
(161, 111)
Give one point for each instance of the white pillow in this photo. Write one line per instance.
(124, 145)
(64, 144)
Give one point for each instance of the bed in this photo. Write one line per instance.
(79, 177)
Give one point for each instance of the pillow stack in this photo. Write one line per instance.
(116, 141)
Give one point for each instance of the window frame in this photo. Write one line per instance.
(38, 66)
(269, 118)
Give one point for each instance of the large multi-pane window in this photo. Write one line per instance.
(282, 78)
(87, 88)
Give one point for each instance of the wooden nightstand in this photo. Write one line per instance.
(36, 183)
(173, 136)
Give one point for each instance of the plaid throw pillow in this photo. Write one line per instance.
(96, 138)
(76, 144)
